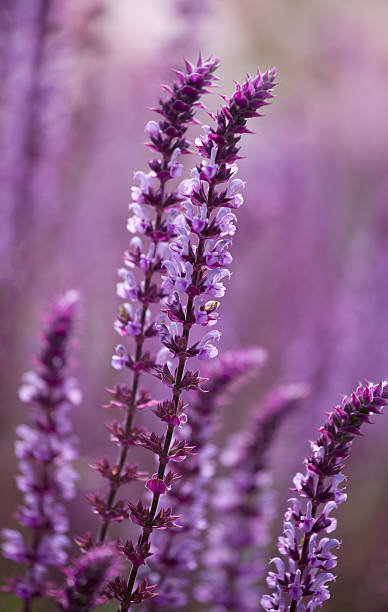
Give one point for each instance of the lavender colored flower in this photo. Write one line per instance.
(86, 580)
(299, 582)
(152, 210)
(202, 230)
(45, 451)
(195, 269)
(234, 550)
(176, 550)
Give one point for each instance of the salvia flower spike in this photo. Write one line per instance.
(194, 271)
(176, 550)
(233, 555)
(45, 450)
(300, 576)
(152, 210)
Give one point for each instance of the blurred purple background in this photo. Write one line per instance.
(310, 279)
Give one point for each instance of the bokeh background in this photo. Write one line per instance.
(310, 280)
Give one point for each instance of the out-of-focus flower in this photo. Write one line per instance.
(86, 579)
(176, 551)
(45, 450)
(242, 509)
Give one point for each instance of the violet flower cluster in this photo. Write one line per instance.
(176, 551)
(233, 558)
(152, 210)
(198, 233)
(299, 582)
(45, 450)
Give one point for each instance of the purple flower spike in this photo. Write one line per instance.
(198, 234)
(299, 582)
(195, 267)
(233, 555)
(45, 450)
(176, 550)
(151, 215)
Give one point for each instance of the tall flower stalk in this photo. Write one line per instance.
(177, 549)
(299, 580)
(168, 140)
(233, 557)
(45, 450)
(194, 272)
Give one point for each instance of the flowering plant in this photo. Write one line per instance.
(299, 583)
(171, 284)
(45, 451)
(192, 249)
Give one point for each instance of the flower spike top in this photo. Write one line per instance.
(177, 111)
(45, 450)
(198, 256)
(220, 143)
(298, 580)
